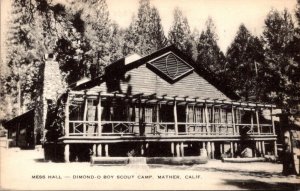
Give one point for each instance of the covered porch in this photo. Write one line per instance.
(113, 114)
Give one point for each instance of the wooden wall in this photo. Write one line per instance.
(144, 80)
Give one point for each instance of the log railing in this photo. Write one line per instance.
(125, 128)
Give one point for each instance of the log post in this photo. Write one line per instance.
(67, 153)
(147, 148)
(221, 148)
(206, 119)
(235, 146)
(251, 120)
(106, 150)
(231, 149)
(233, 120)
(99, 150)
(220, 119)
(257, 121)
(259, 147)
(272, 119)
(94, 149)
(141, 123)
(212, 150)
(208, 145)
(99, 115)
(157, 118)
(263, 148)
(175, 117)
(275, 149)
(142, 149)
(177, 150)
(67, 115)
(186, 118)
(172, 148)
(213, 119)
(182, 149)
(85, 114)
(237, 118)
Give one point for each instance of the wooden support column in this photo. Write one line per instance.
(213, 127)
(212, 150)
(275, 149)
(99, 150)
(140, 119)
(251, 119)
(203, 145)
(147, 149)
(94, 149)
(233, 120)
(67, 153)
(235, 146)
(220, 118)
(182, 149)
(172, 148)
(257, 121)
(177, 150)
(272, 119)
(186, 117)
(142, 149)
(208, 145)
(237, 118)
(67, 115)
(259, 147)
(206, 119)
(231, 149)
(106, 150)
(221, 148)
(85, 114)
(99, 115)
(263, 148)
(157, 118)
(175, 118)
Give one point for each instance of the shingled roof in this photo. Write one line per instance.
(122, 66)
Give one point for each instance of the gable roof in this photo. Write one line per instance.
(120, 67)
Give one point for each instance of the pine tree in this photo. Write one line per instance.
(245, 62)
(116, 42)
(145, 33)
(180, 33)
(209, 54)
(282, 82)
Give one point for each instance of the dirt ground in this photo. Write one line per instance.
(26, 170)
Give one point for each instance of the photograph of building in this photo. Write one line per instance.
(158, 105)
(149, 95)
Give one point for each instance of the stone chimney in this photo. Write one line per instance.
(53, 87)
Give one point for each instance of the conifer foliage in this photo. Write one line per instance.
(245, 65)
(145, 33)
(85, 40)
(209, 55)
(282, 81)
(180, 33)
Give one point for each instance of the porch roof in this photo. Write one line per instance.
(154, 98)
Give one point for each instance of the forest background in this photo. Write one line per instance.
(261, 67)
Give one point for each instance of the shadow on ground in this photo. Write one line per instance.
(255, 173)
(259, 174)
(251, 184)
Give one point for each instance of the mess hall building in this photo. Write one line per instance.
(157, 105)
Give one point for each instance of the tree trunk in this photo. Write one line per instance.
(288, 162)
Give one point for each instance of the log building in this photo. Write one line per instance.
(157, 105)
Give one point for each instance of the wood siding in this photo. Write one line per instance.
(144, 80)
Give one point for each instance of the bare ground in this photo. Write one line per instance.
(26, 170)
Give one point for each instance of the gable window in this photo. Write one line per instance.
(170, 66)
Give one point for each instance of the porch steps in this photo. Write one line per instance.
(143, 161)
